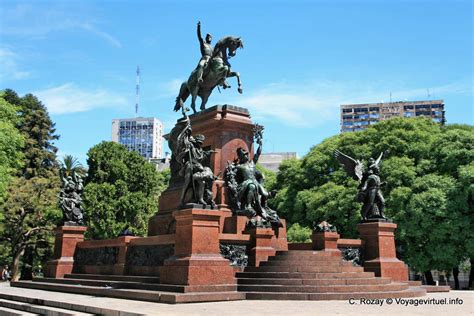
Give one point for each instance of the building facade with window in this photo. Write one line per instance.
(142, 134)
(356, 117)
(272, 161)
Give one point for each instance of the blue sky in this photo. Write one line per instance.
(301, 60)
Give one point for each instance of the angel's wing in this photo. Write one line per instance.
(377, 162)
(353, 167)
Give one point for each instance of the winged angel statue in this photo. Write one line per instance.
(369, 184)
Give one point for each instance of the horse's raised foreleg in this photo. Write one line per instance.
(239, 83)
(182, 96)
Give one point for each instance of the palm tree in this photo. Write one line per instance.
(70, 165)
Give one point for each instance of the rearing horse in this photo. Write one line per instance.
(215, 73)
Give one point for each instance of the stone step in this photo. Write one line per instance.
(127, 278)
(280, 281)
(35, 297)
(319, 269)
(436, 289)
(305, 253)
(304, 275)
(38, 309)
(324, 288)
(305, 263)
(133, 294)
(140, 286)
(12, 312)
(304, 259)
(410, 292)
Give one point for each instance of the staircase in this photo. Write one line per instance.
(313, 275)
(290, 275)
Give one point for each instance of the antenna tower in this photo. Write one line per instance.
(137, 91)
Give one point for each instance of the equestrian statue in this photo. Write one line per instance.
(212, 70)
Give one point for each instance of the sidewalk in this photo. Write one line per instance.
(267, 307)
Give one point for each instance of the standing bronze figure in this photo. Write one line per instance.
(246, 192)
(369, 193)
(212, 70)
(188, 163)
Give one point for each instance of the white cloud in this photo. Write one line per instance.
(109, 38)
(38, 21)
(9, 68)
(69, 98)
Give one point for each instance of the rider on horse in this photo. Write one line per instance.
(207, 53)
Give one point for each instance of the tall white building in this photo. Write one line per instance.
(142, 134)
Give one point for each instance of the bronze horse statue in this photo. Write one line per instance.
(215, 73)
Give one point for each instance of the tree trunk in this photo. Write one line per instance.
(429, 278)
(471, 274)
(456, 278)
(27, 268)
(16, 264)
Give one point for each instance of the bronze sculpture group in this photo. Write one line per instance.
(188, 165)
(247, 194)
(70, 200)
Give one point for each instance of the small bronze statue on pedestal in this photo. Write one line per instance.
(369, 184)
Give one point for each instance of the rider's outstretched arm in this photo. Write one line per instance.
(201, 41)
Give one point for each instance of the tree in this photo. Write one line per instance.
(37, 176)
(122, 189)
(29, 216)
(429, 192)
(11, 144)
(297, 233)
(70, 165)
(39, 131)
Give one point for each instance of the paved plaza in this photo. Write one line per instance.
(112, 306)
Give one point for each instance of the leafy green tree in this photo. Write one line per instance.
(29, 218)
(30, 197)
(39, 131)
(122, 189)
(11, 144)
(297, 233)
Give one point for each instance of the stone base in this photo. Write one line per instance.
(379, 250)
(57, 268)
(263, 245)
(395, 269)
(197, 270)
(327, 242)
(66, 239)
(197, 260)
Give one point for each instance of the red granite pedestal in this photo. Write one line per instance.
(379, 250)
(326, 241)
(66, 239)
(263, 245)
(197, 261)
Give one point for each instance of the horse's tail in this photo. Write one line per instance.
(182, 96)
